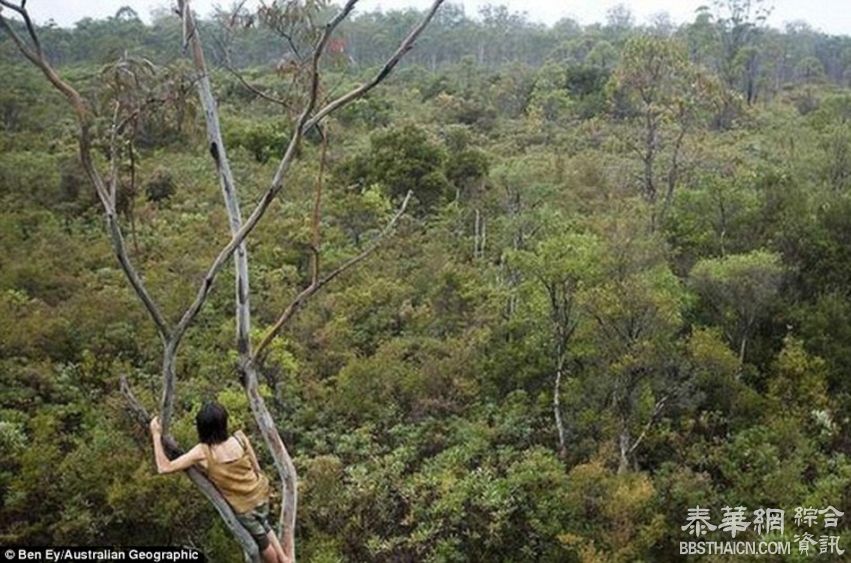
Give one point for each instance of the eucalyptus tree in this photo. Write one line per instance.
(738, 289)
(25, 35)
(739, 24)
(632, 342)
(661, 98)
(558, 268)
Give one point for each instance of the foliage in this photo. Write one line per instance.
(705, 300)
(161, 186)
(402, 159)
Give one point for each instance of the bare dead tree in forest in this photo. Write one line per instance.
(313, 112)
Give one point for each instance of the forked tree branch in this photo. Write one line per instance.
(304, 123)
(315, 220)
(22, 11)
(406, 45)
(252, 88)
(223, 169)
(277, 181)
(280, 455)
(319, 282)
(227, 64)
(657, 408)
(358, 92)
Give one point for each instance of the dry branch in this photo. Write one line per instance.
(657, 409)
(318, 283)
(84, 120)
(304, 123)
(406, 45)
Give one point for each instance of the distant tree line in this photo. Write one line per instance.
(730, 38)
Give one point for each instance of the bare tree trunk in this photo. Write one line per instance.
(673, 175)
(282, 459)
(649, 157)
(131, 205)
(626, 449)
(722, 235)
(480, 236)
(562, 445)
(476, 236)
(513, 208)
(484, 238)
(623, 447)
(742, 348)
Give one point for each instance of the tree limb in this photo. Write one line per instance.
(251, 88)
(226, 180)
(84, 120)
(656, 410)
(317, 208)
(304, 123)
(113, 157)
(22, 11)
(228, 64)
(406, 45)
(318, 283)
(277, 181)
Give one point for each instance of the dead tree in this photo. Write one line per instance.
(171, 335)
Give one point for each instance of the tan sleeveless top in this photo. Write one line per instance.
(239, 483)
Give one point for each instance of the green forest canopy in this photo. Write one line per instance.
(674, 238)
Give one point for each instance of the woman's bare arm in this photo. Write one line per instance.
(165, 465)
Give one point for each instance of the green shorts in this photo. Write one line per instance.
(256, 521)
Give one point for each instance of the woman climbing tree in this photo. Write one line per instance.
(230, 464)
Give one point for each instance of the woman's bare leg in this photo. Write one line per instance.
(270, 555)
(273, 541)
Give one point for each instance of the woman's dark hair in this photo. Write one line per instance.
(212, 423)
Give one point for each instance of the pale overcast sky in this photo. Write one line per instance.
(831, 16)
